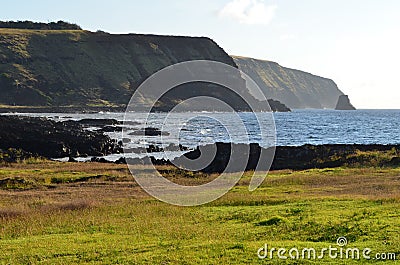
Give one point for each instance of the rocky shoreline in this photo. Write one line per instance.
(306, 156)
(275, 106)
(23, 137)
(51, 139)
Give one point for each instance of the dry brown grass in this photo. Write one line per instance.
(8, 213)
(116, 184)
(74, 205)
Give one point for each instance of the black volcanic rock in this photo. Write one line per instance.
(14, 155)
(343, 103)
(110, 129)
(224, 155)
(53, 139)
(99, 122)
(278, 106)
(289, 157)
(149, 131)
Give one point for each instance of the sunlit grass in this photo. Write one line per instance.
(109, 219)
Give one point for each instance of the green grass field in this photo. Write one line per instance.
(90, 213)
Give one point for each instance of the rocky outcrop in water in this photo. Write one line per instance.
(51, 139)
(343, 103)
(99, 122)
(278, 106)
(149, 131)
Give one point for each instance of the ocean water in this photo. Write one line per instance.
(338, 127)
(294, 128)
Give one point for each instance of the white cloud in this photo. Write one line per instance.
(251, 12)
(287, 37)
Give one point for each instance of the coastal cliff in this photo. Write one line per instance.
(296, 89)
(78, 67)
(42, 65)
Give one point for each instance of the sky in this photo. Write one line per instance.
(354, 42)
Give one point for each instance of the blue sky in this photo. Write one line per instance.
(354, 42)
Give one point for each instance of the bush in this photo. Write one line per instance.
(59, 25)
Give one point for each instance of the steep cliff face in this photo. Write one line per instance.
(73, 67)
(294, 88)
(343, 103)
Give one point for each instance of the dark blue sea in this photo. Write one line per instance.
(338, 127)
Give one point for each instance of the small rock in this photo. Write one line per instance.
(149, 131)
